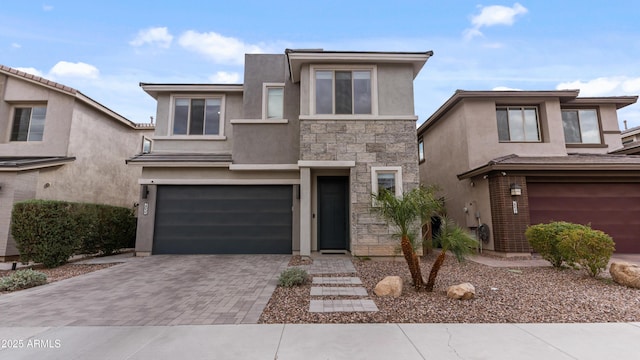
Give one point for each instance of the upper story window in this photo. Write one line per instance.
(346, 91)
(273, 101)
(518, 124)
(146, 145)
(581, 126)
(197, 116)
(28, 123)
(421, 149)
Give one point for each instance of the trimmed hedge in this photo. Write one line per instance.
(50, 232)
(544, 239)
(587, 249)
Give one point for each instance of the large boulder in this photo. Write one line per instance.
(389, 286)
(625, 274)
(464, 291)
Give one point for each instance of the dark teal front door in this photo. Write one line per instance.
(333, 213)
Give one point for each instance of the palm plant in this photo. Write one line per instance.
(454, 239)
(406, 213)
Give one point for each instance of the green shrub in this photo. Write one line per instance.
(588, 249)
(544, 239)
(45, 231)
(293, 277)
(22, 279)
(50, 232)
(108, 229)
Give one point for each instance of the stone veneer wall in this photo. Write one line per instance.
(509, 228)
(368, 143)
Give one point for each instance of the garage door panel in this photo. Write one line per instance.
(223, 220)
(611, 207)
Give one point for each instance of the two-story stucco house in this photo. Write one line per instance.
(508, 159)
(59, 144)
(285, 162)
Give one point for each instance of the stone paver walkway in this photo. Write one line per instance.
(337, 286)
(156, 290)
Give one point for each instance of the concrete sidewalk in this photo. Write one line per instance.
(326, 341)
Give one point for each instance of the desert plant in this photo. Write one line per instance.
(293, 277)
(454, 239)
(544, 239)
(22, 279)
(406, 213)
(587, 249)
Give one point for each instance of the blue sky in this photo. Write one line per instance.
(105, 49)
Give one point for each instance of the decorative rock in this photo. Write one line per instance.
(464, 291)
(389, 286)
(625, 274)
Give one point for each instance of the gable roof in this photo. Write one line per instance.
(566, 97)
(52, 85)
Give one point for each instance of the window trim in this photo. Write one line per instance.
(421, 154)
(145, 140)
(31, 106)
(337, 67)
(375, 170)
(265, 100)
(190, 96)
(521, 107)
(599, 120)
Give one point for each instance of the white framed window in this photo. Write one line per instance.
(581, 126)
(518, 124)
(198, 115)
(421, 149)
(272, 101)
(386, 177)
(28, 123)
(344, 90)
(146, 145)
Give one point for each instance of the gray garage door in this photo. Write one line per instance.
(223, 219)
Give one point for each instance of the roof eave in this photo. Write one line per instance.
(297, 58)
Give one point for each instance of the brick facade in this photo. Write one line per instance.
(509, 228)
(368, 143)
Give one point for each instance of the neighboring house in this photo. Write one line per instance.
(284, 163)
(630, 142)
(508, 159)
(59, 144)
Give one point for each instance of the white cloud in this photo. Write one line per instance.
(47, 7)
(79, 69)
(631, 86)
(16, 45)
(493, 15)
(159, 36)
(602, 86)
(505, 88)
(30, 70)
(223, 77)
(219, 48)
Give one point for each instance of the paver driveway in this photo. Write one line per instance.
(156, 290)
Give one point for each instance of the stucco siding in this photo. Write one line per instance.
(57, 121)
(99, 173)
(395, 89)
(15, 187)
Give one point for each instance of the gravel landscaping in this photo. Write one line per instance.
(503, 295)
(62, 272)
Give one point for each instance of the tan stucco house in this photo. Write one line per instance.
(508, 159)
(285, 162)
(630, 141)
(59, 144)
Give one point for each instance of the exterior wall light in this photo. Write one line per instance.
(516, 190)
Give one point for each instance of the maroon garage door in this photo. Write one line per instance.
(611, 207)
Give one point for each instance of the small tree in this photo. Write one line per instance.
(451, 238)
(406, 213)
